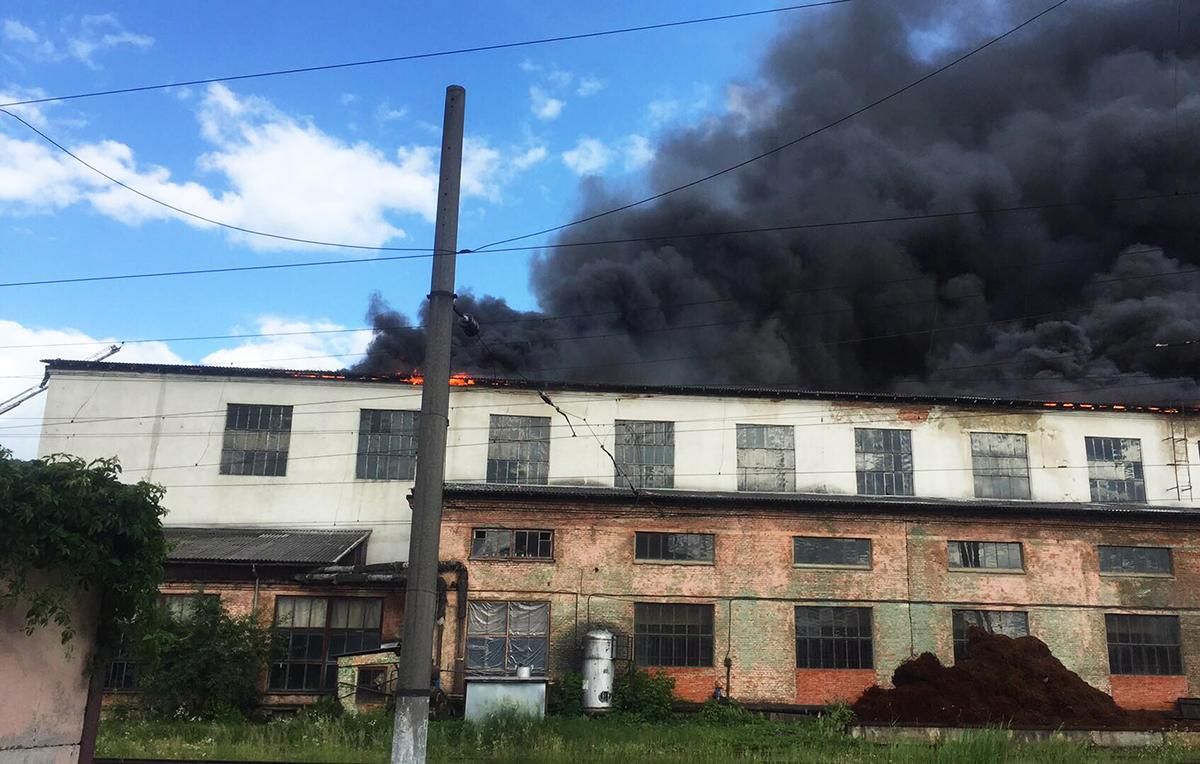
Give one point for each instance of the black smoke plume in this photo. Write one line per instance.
(1096, 101)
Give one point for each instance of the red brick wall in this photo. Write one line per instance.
(1156, 693)
(819, 687)
(693, 684)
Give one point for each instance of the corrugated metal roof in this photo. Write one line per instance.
(773, 393)
(261, 545)
(816, 502)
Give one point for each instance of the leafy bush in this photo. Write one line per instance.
(725, 712)
(566, 695)
(644, 695)
(835, 720)
(204, 665)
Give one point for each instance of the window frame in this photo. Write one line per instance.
(327, 632)
(861, 474)
(833, 638)
(1094, 443)
(638, 536)
(981, 568)
(508, 638)
(512, 545)
(1170, 573)
(836, 566)
(1112, 625)
(523, 470)
(667, 634)
(365, 456)
(274, 460)
(959, 644)
(747, 473)
(637, 473)
(975, 476)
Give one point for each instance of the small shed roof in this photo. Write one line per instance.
(261, 545)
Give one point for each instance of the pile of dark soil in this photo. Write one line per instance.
(1014, 682)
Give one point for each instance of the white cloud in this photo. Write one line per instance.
(589, 157)
(589, 86)
(531, 157)
(21, 368)
(529, 66)
(32, 113)
(662, 110)
(385, 113)
(348, 98)
(334, 349)
(638, 151)
(543, 106)
(81, 39)
(276, 173)
(559, 78)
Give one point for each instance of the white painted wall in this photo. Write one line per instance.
(168, 429)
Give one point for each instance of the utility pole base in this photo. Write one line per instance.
(410, 736)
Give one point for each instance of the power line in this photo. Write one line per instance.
(419, 56)
(665, 237)
(788, 144)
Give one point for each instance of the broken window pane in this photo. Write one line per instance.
(883, 462)
(1001, 465)
(503, 543)
(834, 638)
(519, 449)
(1115, 469)
(1009, 623)
(256, 440)
(992, 555)
(645, 453)
(766, 457)
(809, 550)
(387, 445)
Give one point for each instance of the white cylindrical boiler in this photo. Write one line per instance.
(598, 651)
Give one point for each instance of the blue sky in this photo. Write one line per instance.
(346, 155)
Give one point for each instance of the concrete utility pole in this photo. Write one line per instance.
(420, 594)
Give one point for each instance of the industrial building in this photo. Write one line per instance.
(789, 547)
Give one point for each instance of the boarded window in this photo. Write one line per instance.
(1143, 644)
(387, 445)
(256, 439)
(1009, 623)
(519, 449)
(645, 453)
(1001, 465)
(668, 634)
(505, 543)
(504, 636)
(834, 638)
(883, 462)
(1115, 469)
(766, 457)
(815, 550)
(987, 555)
(313, 632)
(674, 547)
(1135, 559)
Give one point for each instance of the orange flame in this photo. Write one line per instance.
(461, 379)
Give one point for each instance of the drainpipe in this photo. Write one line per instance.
(728, 647)
(254, 604)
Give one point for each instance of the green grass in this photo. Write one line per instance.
(514, 739)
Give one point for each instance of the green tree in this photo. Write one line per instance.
(73, 527)
(202, 663)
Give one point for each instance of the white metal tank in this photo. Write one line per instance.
(598, 650)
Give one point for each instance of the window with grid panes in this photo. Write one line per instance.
(883, 462)
(668, 634)
(256, 439)
(766, 457)
(1135, 559)
(1115, 469)
(387, 445)
(182, 606)
(1010, 623)
(645, 452)
(518, 449)
(1000, 462)
(986, 555)
(1143, 644)
(674, 547)
(121, 671)
(313, 632)
(504, 636)
(834, 638)
(818, 551)
(505, 543)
